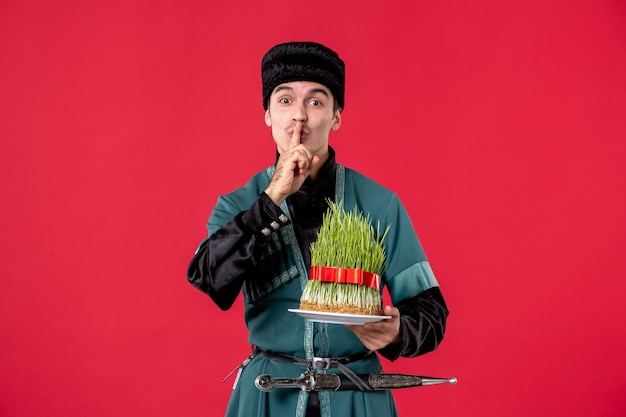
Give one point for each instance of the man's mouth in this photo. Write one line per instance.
(304, 133)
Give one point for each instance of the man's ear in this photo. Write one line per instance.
(336, 120)
(268, 118)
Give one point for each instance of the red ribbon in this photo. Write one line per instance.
(345, 276)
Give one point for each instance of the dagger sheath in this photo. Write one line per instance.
(340, 382)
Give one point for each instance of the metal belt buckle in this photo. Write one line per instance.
(320, 364)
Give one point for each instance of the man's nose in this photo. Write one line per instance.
(299, 113)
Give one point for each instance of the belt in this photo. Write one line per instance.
(322, 364)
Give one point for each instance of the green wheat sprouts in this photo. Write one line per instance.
(346, 239)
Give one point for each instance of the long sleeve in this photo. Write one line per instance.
(422, 325)
(228, 256)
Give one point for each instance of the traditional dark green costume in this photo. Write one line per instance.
(263, 250)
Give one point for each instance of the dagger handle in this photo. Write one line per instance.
(267, 383)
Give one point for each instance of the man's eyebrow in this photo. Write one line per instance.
(318, 90)
(282, 88)
(310, 92)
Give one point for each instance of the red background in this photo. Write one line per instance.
(501, 125)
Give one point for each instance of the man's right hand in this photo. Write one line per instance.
(293, 167)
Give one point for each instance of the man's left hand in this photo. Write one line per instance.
(377, 335)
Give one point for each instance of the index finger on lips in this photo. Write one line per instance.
(295, 137)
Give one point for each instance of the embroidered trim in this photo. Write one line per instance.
(304, 278)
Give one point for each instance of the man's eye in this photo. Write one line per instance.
(284, 100)
(315, 102)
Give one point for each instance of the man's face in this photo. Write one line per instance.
(302, 101)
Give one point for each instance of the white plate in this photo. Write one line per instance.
(337, 318)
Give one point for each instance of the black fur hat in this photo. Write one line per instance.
(303, 61)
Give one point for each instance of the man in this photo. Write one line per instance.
(259, 239)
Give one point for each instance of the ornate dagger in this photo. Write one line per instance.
(333, 382)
